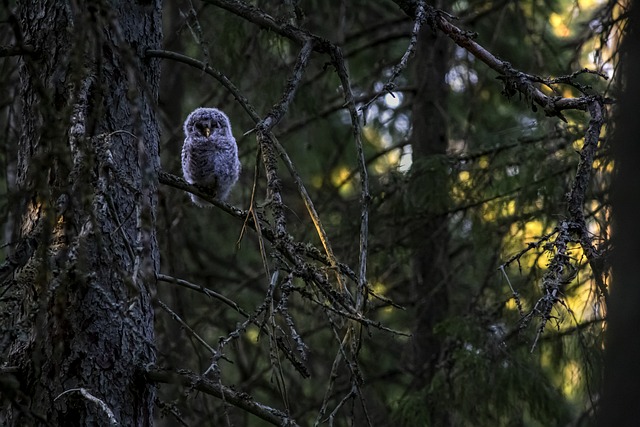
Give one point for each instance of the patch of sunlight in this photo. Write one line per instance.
(457, 193)
(509, 209)
(316, 181)
(497, 209)
(597, 163)
(578, 143)
(387, 162)
(370, 134)
(533, 230)
(543, 260)
(609, 167)
(458, 190)
(252, 333)
(379, 288)
(571, 379)
(511, 304)
(340, 179)
(588, 4)
(518, 238)
(558, 25)
(483, 162)
(489, 212)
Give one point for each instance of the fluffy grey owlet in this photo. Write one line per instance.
(209, 153)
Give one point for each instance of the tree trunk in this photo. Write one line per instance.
(429, 191)
(622, 352)
(82, 320)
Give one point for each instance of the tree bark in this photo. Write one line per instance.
(621, 392)
(429, 191)
(87, 166)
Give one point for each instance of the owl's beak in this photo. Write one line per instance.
(207, 132)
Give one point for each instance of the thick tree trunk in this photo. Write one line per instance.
(622, 352)
(429, 191)
(88, 157)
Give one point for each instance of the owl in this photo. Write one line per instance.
(209, 153)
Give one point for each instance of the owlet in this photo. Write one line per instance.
(209, 153)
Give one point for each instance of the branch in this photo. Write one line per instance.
(298, 365)
(295, 247)
(365, 196)
(390, 85)
(513, 79)
(576, 197)
(238, 399)
(266, 21)
(279, 110)
(208, 70)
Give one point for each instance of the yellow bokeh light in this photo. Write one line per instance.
(497, 209)
(560, 29)
(252, 334)
(511, 304)
(387, 162)
(483, 162)
(578, 143)
(379, 288)
(340, 179)
(572, 375)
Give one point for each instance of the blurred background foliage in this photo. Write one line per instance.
(500, 186)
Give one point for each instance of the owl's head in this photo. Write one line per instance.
(204, 122)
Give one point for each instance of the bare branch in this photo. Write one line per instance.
(365, 196)
(151, 53)
(238, 399)
(513, 79)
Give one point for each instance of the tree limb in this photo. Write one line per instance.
(238, 399)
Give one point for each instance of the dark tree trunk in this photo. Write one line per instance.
(429, 189)
(87, 162)
(622, 352)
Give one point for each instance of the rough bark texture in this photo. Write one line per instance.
(88, 158)
(429, 187)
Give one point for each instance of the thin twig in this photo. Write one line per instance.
(365, 196)
(184, 324)
(404, 61)
(85, 393)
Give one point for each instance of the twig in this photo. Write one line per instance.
(92, 398)
(365, 196)
(280, 109)
(198, 338)
(390, 84)
(515, 294)
(153, 53)
(206, 291)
